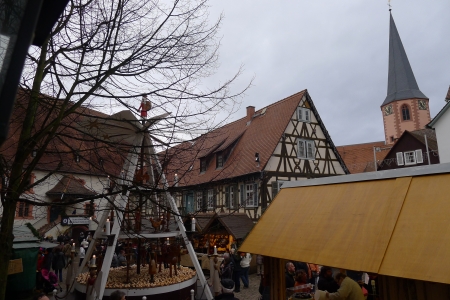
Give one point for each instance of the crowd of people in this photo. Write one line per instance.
(336, 283)
(234, 270)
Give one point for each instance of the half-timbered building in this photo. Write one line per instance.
(241, 166)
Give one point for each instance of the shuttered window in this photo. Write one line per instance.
(419, 156)
(306, 149)
(274, 189)
(230, 197)
(304, 114)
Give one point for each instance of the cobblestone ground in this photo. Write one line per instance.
(252, 292)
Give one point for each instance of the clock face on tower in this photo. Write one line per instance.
(422, 105)
(388, 110)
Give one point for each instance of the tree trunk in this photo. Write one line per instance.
(16, 184)
(6, 240)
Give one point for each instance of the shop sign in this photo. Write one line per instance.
(15, 266)
(66, 221)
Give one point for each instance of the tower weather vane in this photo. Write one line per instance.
(389, 4)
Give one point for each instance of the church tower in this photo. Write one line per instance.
(405, 106)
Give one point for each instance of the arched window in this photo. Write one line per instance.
(405, 112)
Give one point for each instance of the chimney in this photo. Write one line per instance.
(447, 98)
(250, 112)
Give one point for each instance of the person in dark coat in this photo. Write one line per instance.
(227, 267)
(227, 290)
(326, 280)
(290, 274)
(237, 270)
(58, 263)
(48, 258)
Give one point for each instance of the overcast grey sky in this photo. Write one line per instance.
(338, 50)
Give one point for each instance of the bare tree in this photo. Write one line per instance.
(101, 56)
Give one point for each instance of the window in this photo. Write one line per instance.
(210, 199)
(202, 164)
(249, 194)
(230, 196)
(304, 114)
(306, 149)
(199, 200)
(89, 208)
(24, 210)
(410, 158)
(405, 113)
(219, 160)
(276, 186)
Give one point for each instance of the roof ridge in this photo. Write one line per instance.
(244, 117)
(360, 144)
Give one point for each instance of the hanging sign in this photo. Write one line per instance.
(66, 221)
(15, 266)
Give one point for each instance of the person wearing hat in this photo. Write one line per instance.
(227, 290)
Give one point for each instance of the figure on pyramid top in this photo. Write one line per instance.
(146, 105)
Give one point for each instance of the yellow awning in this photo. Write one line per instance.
(397, 226)
(419, 247)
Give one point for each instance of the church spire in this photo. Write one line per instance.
(401, 81)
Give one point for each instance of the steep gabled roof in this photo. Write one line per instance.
(401, 81)
(70, 186)
(419, 135)
(238, 225)
(260, 135)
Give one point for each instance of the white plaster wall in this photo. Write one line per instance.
(442, 128)
(94, 183)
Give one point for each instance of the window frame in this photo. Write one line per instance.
(230, 196)
(203, 165)
(407, 155)
(219, 160)
(250, 195)
(198, 200)
(86, 206)
(405, 109)
(304, 114)
(309, 149)
(210, 201)
(20, 210)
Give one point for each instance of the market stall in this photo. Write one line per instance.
(392, 223)
(225, 231)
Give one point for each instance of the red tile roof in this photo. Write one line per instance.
(261, 136)
(359, 157)
(70, 186)
(96, 157)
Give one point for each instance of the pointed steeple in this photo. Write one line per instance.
(401, 81)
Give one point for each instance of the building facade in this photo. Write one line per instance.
(241, 166)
